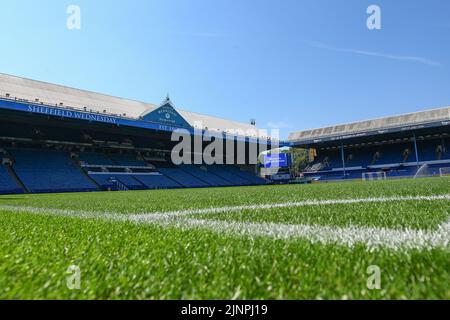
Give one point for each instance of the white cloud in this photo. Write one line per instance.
(279, 125)
(377, 54)
(201, 34)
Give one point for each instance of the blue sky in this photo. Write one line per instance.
(290, 64)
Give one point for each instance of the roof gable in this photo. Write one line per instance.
(166, 114)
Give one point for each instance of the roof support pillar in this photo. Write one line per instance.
(416, 150)
(343, 159)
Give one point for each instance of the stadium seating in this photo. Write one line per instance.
(113, 181)
(130, 182)
(204, 175)
(434, 169)
(224, 175)
(127, 160)
(402, 172)
(397, 160)
(7, 183)
(49, 171)
(393, 154)
(94, 158)
(330, 176)
(247, 176)
(222, 172)
(104, 181)
(183, 178)
(434, 150)
(157, 181)
(61, 173)
(42, 170)
(365, 157)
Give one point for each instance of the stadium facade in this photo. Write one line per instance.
(392, 147)
(59, 139)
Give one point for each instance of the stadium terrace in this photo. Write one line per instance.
(410, 145)
(59, 139)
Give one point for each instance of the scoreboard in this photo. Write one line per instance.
(279, 160)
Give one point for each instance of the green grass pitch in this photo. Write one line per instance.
(265, 242)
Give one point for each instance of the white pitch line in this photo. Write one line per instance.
(349, 236)
(305, 203)
(230, 209)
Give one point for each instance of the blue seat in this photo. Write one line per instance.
(205, 176)
(183, 178)
(157, 181)
(94, 158)
(252, 178)
(222, 172)
(108, 181)
(49, 171)
(127, 160)
(7, 183)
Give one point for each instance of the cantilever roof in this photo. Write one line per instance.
(410, 119)
(53, 94)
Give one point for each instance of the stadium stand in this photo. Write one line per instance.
(434, 150)
(49, 171)
(222, 172)
(183, 178)
(202, 173)
(59, 139)
(105, 181)
(398, 146)
(157, 181)
(66, 139)
(247, 176)
(127, 160)
(103, 169)
(7, 183)
(115, 182)
(397, 160)
(130, 182)
(94, 158)
(47, 94)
